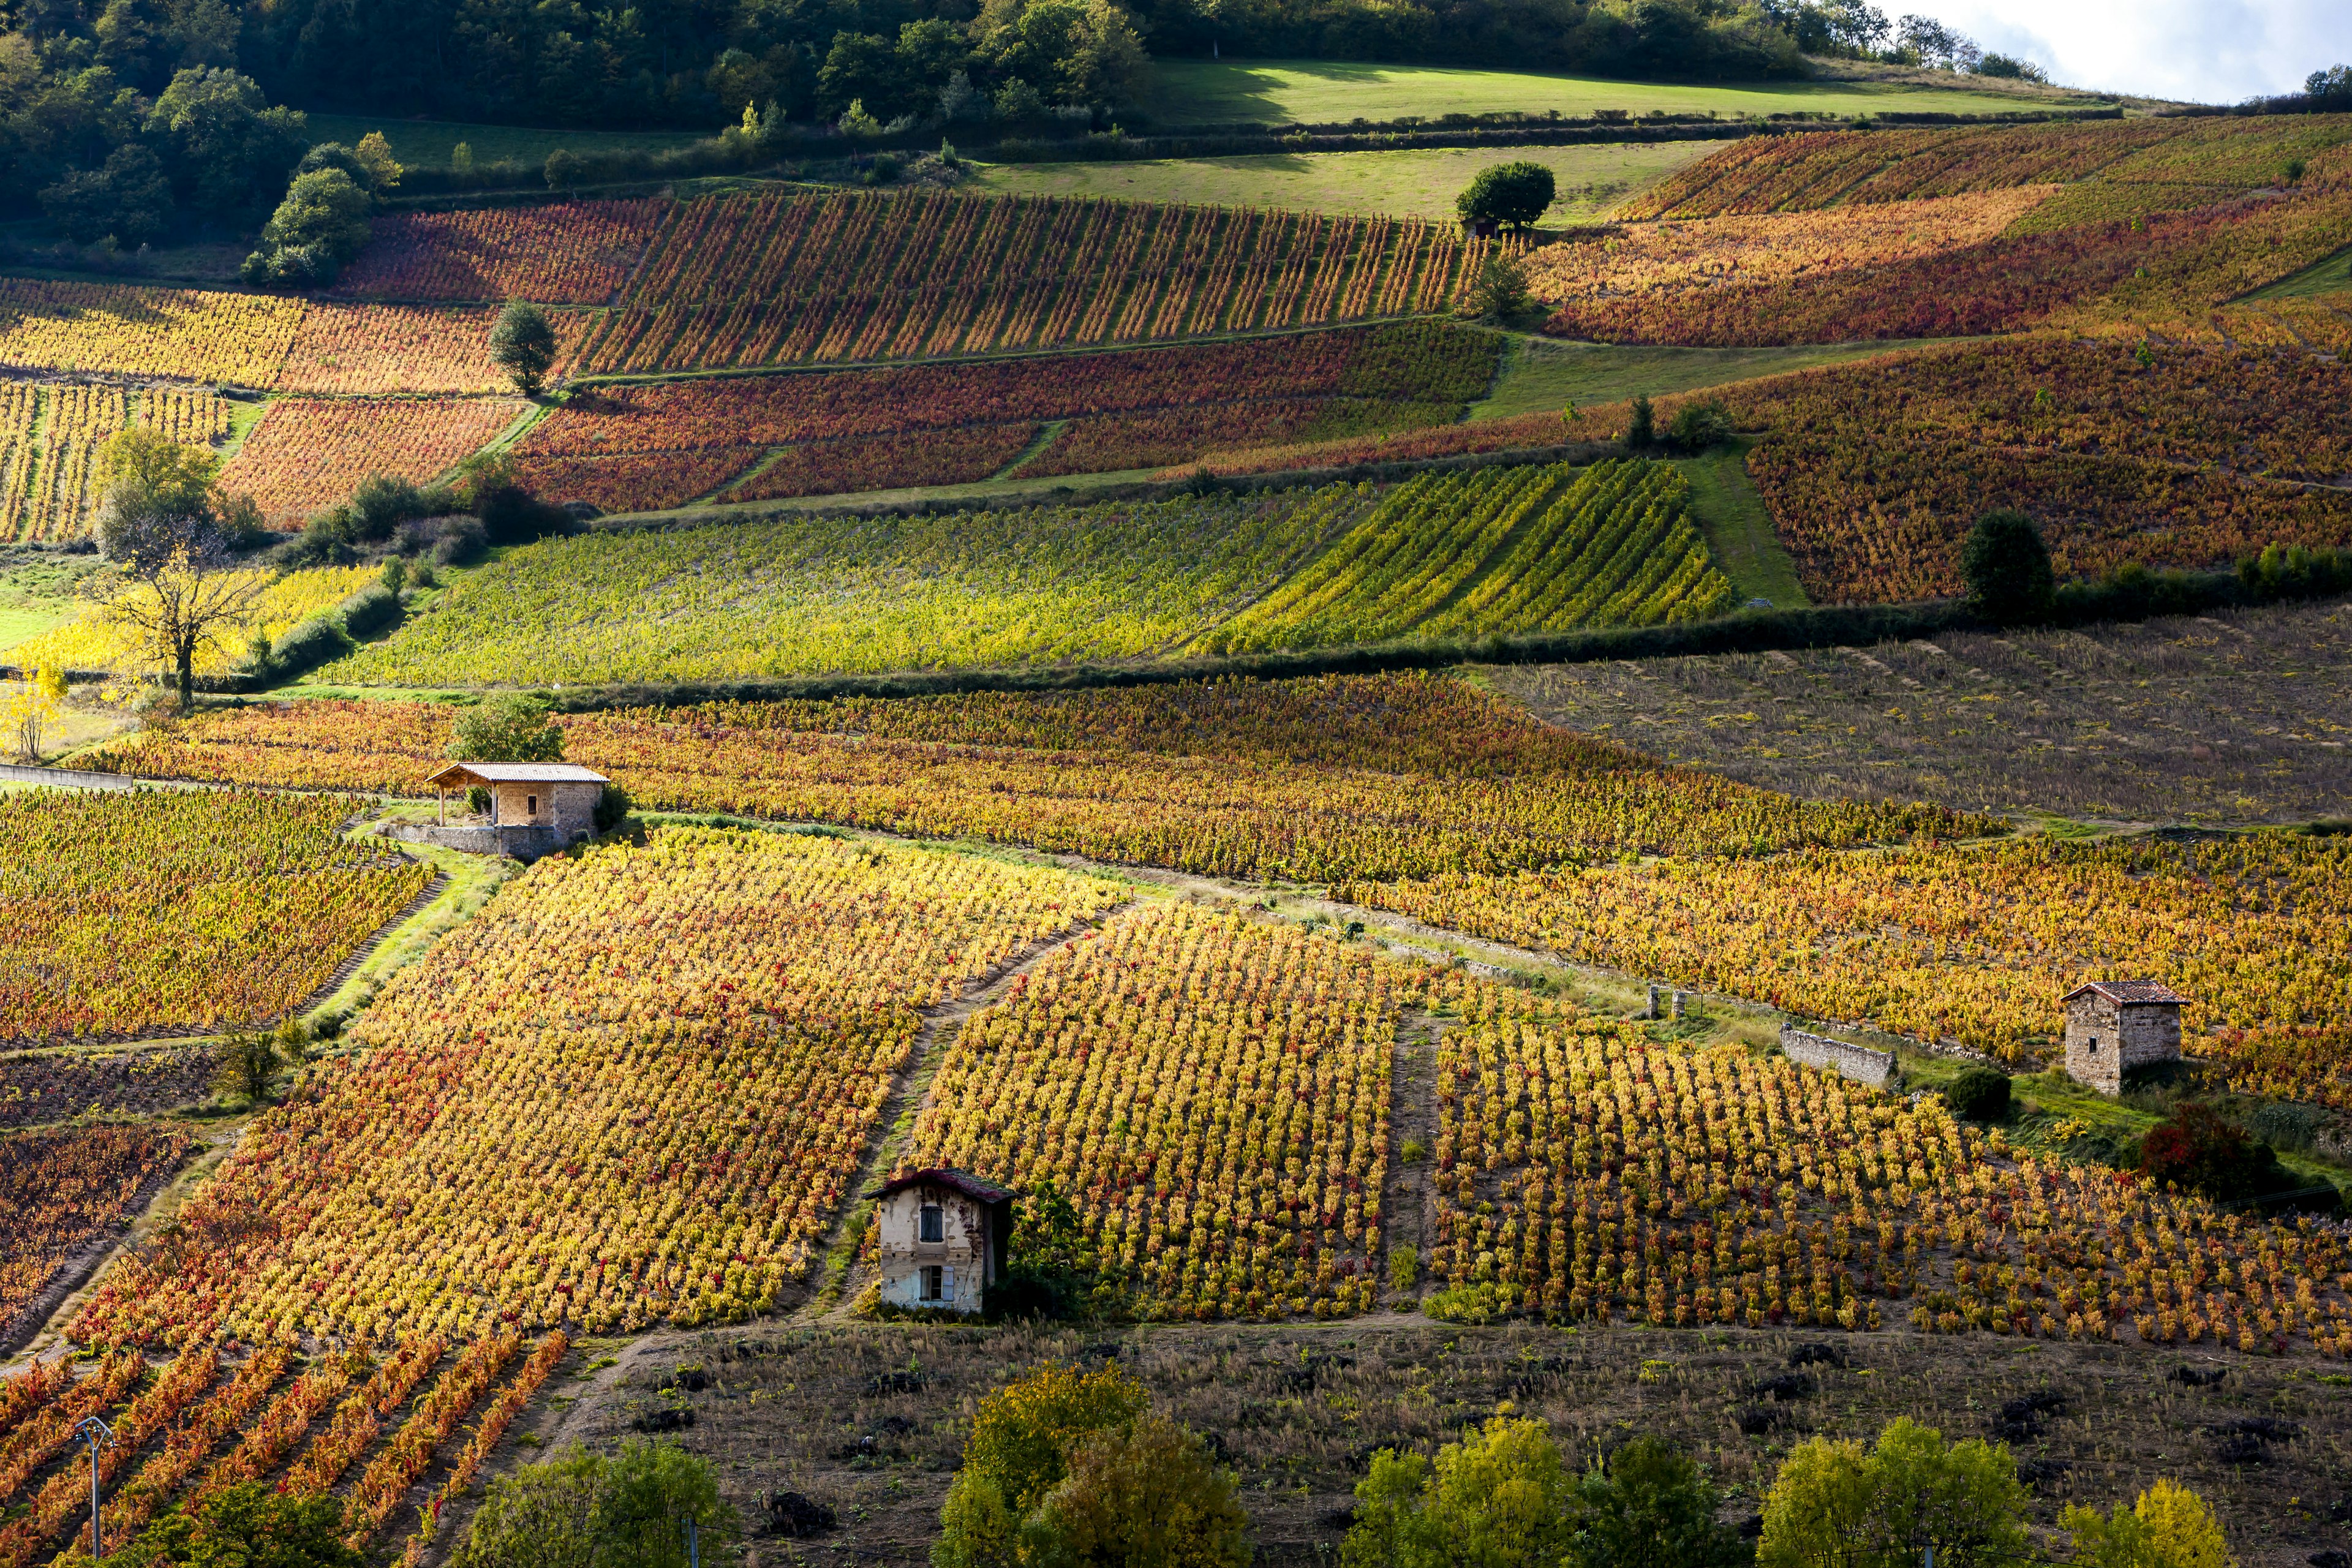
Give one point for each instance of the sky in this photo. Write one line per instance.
(2207, 51)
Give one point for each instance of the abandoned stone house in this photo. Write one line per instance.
(939, 1238)
(2115, 1025)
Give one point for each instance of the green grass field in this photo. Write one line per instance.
(1738, 529)
(2333, 276)
(426, 143)
(1318, 93)
(1542, 375)
(1417, 184)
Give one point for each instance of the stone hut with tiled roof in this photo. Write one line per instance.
(2113, 1026)
(940, 1239)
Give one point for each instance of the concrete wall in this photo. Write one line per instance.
(902, 1254)
(66, 778)
(2105, 1040)
(1856, 1062)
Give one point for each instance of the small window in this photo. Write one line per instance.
(530, 806)
(2094, 1047)
(935, 1223)
(934, 1283)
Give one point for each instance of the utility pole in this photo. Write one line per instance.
(693, 1545)
(98, 1435)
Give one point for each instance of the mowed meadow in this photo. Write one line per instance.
(1057, 675)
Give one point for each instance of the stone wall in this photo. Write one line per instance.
(1856, 1062)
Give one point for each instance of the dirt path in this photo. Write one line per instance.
(910, 1092)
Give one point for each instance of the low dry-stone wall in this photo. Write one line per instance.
(1857, 1062)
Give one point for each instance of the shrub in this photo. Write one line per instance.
(1499, 294)
(1019, 1450)
(2197, 1149)
(462, 539)
(613, 809)
(1143, 1495)
(248, 1525)
(307, 646)
(1404, 1266)
(582, 1509)
(2007, 569)
(369, 610)
(1978, 1094)
(1700, 425)
(2169, 1527)
(512, 515)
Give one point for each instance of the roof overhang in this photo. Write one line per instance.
(467, 774)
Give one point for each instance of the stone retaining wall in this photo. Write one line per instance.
(1856, 1062)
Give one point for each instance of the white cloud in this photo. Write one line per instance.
(2207, 51)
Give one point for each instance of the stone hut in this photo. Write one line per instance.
(940, 1237)
(561, 795)
(2115, 1025)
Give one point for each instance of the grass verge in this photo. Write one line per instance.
(1738, 529)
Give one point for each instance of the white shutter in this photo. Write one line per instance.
(947, 1287)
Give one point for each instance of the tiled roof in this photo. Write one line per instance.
(2132, 993)
(963, 1182)
(518, 772)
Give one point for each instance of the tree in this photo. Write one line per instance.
(383, 170)
(509, 728)
(226, 149)
(523, 345)
(320, 224)
(2169, 1527)
(1499, 294)
(1700, 426)
(31, 704)
(129, 199)
(246, 1526)
(187, 593)
(541, 1516)
(1837, 1505)
(562, 169)
(143, 473)
(1642, 425)
(1515, 193)
(1143, 1495)
(1498, 1499)
(2007, 569)
(1074, 51)
(1018, 1451)
(586, 1510)
(1648, 1506)
(249, 1061)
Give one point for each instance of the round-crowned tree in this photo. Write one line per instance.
(2007, 568)
(1513, 194)
(523, 345)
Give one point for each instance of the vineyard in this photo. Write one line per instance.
(39, 1088)
(2182, 458)
(1972, 944)
(1584, 1171)
(1817, 170)
(362, 350)
(122, 914)
(60, 1191)
(188, 1429)
(779, 280)
(116, 329)
(49, 438)
(641, 448)
(1314, 780)
(793, 594)
(697, 1077)
(2115, 275)
(1213, 1096)
(93, 643)
(308, 454)
(574, 253)
(1498, 551)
